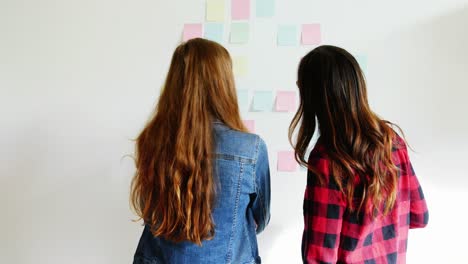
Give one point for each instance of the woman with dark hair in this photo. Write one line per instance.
(202, 182)
(362, 194)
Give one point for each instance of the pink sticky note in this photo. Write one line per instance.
(250, 124)
(240, 9)
(192, 31)
(285, 101)
(286, 161)
(311, 34)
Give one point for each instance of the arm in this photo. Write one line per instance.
(261, 203)
(419, 215)
(324, 206)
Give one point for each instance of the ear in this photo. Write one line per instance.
(297, 83)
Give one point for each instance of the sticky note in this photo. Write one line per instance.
(265, 8)
(243, 99)
(285, 101)
(240, 9)
(250, 125)
(192, 31)
(362, 60)
(311, 34)
(262, 101)
(286, 161)
(240, 33)
(215, 10)
(287, 35)
(240, 66)
(214, 31)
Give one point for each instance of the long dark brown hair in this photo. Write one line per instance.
(333, 93)
(173, 189)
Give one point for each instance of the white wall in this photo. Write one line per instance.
(79, 78)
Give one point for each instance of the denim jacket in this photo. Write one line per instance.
(242, 207)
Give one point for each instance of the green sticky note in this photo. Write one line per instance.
(240, 33)
(243, 99)
(214, 31)
(263, 101)
(288, 35)
(215, 10)
(265, 8)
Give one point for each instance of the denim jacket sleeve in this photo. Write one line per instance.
(261, 204)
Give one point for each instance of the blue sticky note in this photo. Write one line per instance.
(288, 35)
(240, 33)
(362, 60)
(265, 8)
(214, 31)
(263, 101)
(243, 99)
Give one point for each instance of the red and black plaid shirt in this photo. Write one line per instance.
(332, 234)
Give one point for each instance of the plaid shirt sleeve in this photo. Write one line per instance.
(419, 215)
(324, 206)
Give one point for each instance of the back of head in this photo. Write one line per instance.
(173, 187)
(333, 92)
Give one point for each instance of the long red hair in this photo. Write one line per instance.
(173, 189)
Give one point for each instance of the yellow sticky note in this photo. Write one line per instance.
(240, 66)
(215, 10)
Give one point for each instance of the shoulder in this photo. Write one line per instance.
(318, 157)
(242, 144)
(399, 149)
(319, 166)
(319, 179)
(398, 142)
